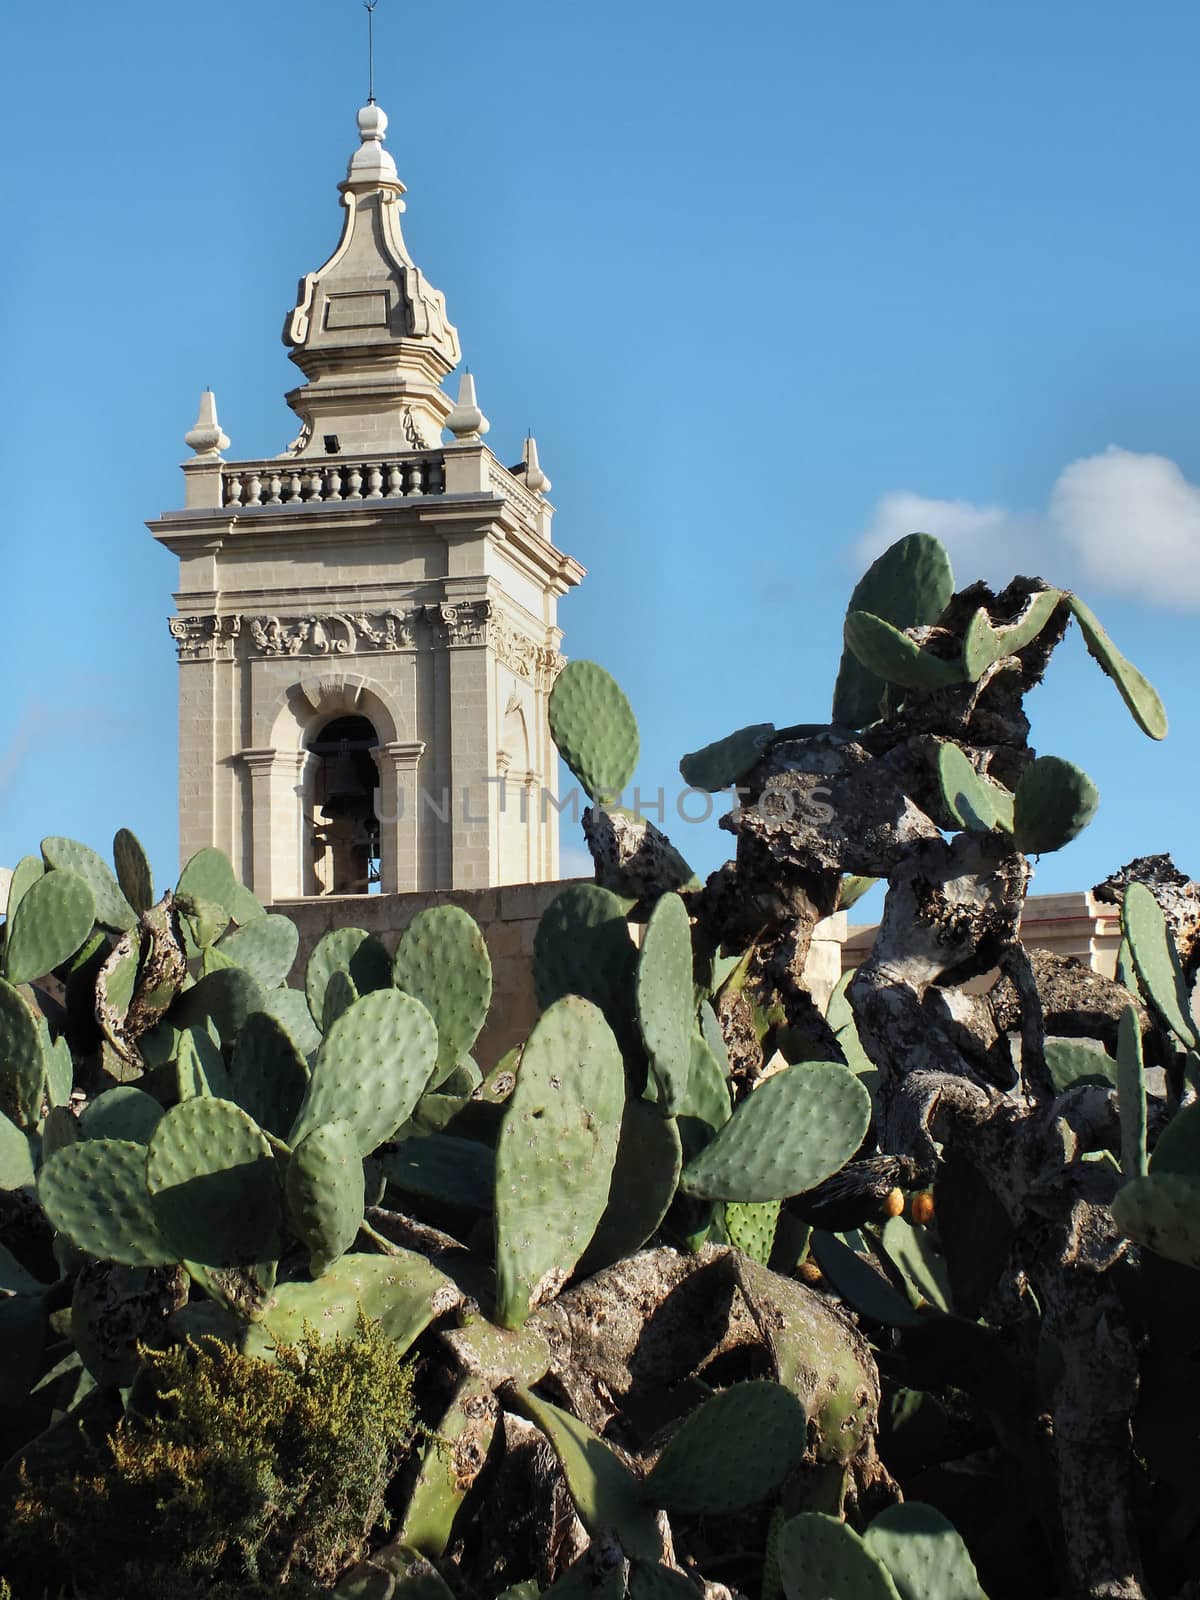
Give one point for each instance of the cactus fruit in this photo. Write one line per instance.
(441, 1167)
(22, 1059)
(214, 1185)
(1053, 803)
(95, 1193)
(265, 948)
(555, 1154)
(923, 1553)
(891, 655)
(1138, 694)
(975, 802)
(371, 1069)
(134, 875)
(909, 585)
(720, 765)
(731, 1452)
(1131, 1094)
(796, 1129)
(666, 1004)
(52, 921)
(268, 1075)
(325, 1192)
(594, 727)
(113, 910)
(820, 1557)
(645, 1177)
(442, 961)
(607, 1495)
(121, 1113)
(1157, 962)
(1162, 1212)
(350, 950)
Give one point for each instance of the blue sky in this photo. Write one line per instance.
(770, 285)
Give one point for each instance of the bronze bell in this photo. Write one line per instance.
(346, 795)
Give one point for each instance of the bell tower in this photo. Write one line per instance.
(367, 623)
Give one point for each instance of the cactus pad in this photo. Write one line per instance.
(371, 1069)
(112, 908)
(443, 962)
(1131, 1094)
(894, 657)
(924, 1554)
(1162, 1212)
(555, 1154)
(1054, 802)
(208, 875)
(582, 946)
(27, 871)
(121, 1113)
(731, 1452)
(972, 800)
(224, 998)
(290, 1009)
(268, 1075)
(751, 1227)
(820, 1557)
(1137, 692)
(1157, 962)
(265, 948)
(134, 876)
(719, 766)
(16, 1158)
(457, 1172)
(52, 921)
(401, 1290)
(798, 1128)
(22, 1059)
(214, 1185)
(353, 951)
(95, 1193)
(594, 727)
(666, 1002)
(325, 1192)
(645, 1177)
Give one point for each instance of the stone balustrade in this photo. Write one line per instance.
(333, 478)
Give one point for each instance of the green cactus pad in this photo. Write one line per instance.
(981, 646)
(325, 1192)
(861, 1285)
(60, 1072)
(401, 1290)
(1137, 692)
(121, 1113)
(1054, 802)
(113, 910)
(924, 1271)
(751, 1227)
(594, 727)
(134, 875)
(443, 962)
(1072, 1061)
(1157, 962)
(53, 920)
(290, 1010)
(22, 1059)
(95, 1193)
(499, 1356)
(582, 946)
(666, 1001)
(731, 1452)
(710, 1031)
(719, 766)
(909, 585)
(1178, 1147)
(1162, 1212)
(372, 1068)
(268, 1075)
(58, 1130)
(555, 1154)
(1131, 1094)
(457, 1172)
(892, 656)
(645, 1177)
(797, 1129)
(224, 998)
(607, 1495)
(924, 1554)
(972, 800)
(340, 995)
(820, 1558)
(265, 948)
(202, 923)
(353, 951)
(27, 871)
(200, 1068)
(16, 1158)
(214, 1185)
(209, 875)
(984, 644)
(452, 1460)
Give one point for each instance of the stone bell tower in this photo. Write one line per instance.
(366, 627)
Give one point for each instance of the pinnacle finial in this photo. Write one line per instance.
(206, 437)
(371, 163)
(535, 478)
(466, 421)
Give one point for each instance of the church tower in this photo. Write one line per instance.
(366, 629)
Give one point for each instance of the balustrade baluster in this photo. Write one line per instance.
(234, 497)
(274, 484)
(374, 482)
(395, 480)
(415, 477)
(333, 484)
(354, 482)
(254, 486)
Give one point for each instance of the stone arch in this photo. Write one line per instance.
(318, 697)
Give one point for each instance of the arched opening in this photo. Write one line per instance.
(343, 827)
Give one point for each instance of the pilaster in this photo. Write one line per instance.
(398, 810)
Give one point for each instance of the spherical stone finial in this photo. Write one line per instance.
(371, 163)
(372, 122)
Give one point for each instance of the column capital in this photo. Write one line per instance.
(399, 752)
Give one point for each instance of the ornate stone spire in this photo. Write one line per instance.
(368, 331)
(535, 478)
(467, 422)
(205, 436)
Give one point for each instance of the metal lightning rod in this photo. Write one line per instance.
(370, 9)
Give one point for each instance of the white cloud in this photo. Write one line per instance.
(1119, 521)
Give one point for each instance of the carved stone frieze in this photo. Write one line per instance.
(521, 653)
(335, 633)
(205, 638)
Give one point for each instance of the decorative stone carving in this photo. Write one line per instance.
(522, 654)
(460, 623)
(337, 633)
(209, 638)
